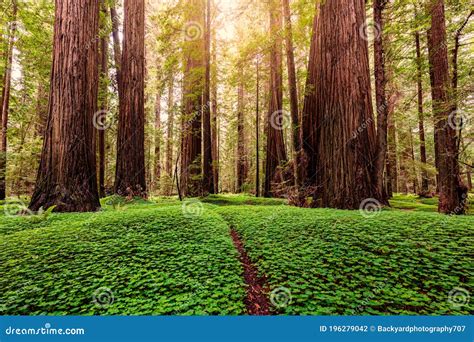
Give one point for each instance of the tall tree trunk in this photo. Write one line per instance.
(275, 151)
(380, 96)
(6, 101)
(170, 128)
(130, 167)
(413, 160)
(257, 131)
(208, 179)
(67, 173)
(103, 103)
(117, 47)
(193, 84)
(215, 125)
(392, 167)
(157, 173)
(344, 129)
(452, 193)
(292, 86)
(424, 191)
(241, 155)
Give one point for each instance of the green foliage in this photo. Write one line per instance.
(339, 262)
(152, 261)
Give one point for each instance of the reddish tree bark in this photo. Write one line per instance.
(275, 151)
(380, 97)
(103, 103)
(343, 131)
(157, 173)
(241, 155)
(117, 47)
(193, 88)
(208, 179)
(452, 193)
(6, 100)
(130, 166)
(257, 131)
(170, 128)
(424, 191)
(67, 174)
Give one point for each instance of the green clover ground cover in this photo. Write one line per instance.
(339, 262)
(152, 261)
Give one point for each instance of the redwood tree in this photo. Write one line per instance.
(67, 174)
(241, 155)
(275, 150)
(452, 193)
(342, 135)
(130, 166)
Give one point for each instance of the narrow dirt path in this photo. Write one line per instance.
(256, 302)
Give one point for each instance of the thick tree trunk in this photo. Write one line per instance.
(130, 167)
(193, 84)
(380, 96)
(452, 193)
(6, 101)
(343, 123)
(157, 173)
(67, 173)
(208, 179)
(275, 151)
(241, 155)
(424, 191)
(103, 104)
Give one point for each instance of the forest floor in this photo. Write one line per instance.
(234, 255)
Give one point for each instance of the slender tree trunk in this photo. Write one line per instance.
(157, 173)
(130, 167)
(117, 47)
(452, 193)
(241, 155)
(208, 179)
(293, 88)
(103, 104)
(380, 96)
(6, 102)
(193, 83)
(67, 173)
(275, 151)
(344, 133)
(257, 132)
(413, 160)
(215, 125)
(424, 191)
(170, 128)
(392, 165)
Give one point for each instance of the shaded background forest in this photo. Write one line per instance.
(241, 42)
